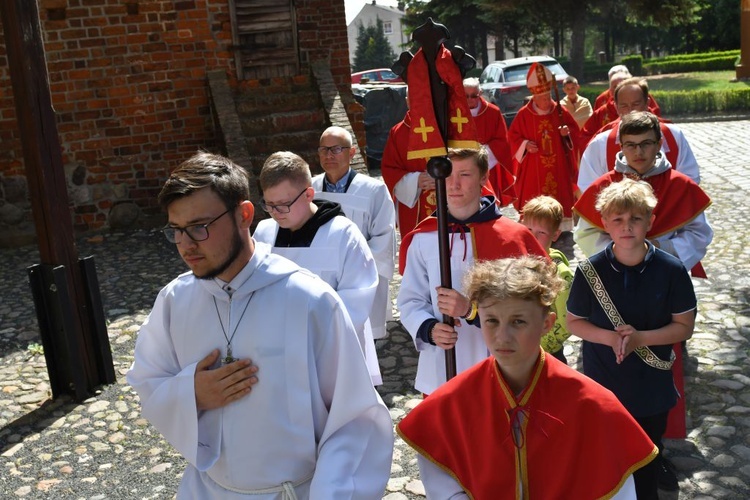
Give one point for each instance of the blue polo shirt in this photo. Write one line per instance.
(646, 295)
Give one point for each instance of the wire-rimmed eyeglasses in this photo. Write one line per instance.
(281, 208)
(196, 232)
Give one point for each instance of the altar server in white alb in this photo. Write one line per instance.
(366, 202)
(248, 365)
(316, 235)
(477, 232)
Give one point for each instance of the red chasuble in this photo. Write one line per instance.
(548, 171)
(576, 439)
(680, 201)
(493, 132)
(395, 165)
(491, 240)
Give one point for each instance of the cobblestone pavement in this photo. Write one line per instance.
(102, 448)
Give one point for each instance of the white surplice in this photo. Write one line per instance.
(417, 301)
(368, 204)
(312, 420)
(340, 256)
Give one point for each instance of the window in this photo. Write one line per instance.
(388, 27)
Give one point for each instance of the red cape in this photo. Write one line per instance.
(492, 131)
(680, 201)
(578, 440)
(496, 239)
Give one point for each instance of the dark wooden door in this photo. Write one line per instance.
(265, 38)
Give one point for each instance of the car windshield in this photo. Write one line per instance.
(518, 73)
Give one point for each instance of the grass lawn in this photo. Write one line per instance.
(706, 80)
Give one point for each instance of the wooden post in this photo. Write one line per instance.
(81, 366)
(743, 68)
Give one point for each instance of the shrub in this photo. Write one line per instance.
(702, 101)
(592, 71)
(693, 57)
(717, 63)
(634, 64)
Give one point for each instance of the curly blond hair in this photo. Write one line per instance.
(528, 278)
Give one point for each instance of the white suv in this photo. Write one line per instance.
(503, 83)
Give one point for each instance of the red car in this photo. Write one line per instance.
(376, 75)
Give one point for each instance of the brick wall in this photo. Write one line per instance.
(128, 83)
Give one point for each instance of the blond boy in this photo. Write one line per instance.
(492, 431)
(630, 303)
(543, 216)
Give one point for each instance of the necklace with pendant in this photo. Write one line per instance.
(229, 358)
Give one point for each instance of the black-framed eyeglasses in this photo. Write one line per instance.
(196, 232)
(282, 208)
(336, 150)
(643, 145)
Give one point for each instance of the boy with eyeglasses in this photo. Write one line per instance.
(241, 360)
(316, 235)
(599, 154)
(366, 202)
(492, 133)
(681, 228)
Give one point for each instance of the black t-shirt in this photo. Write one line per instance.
(646, 296)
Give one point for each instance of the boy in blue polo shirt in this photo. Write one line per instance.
(630, 303)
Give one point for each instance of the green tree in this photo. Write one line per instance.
(373, 49)
(716, 27)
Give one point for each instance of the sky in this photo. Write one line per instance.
(354, 6)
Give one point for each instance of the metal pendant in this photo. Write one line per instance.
(229, 358)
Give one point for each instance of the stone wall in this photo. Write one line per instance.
(129, 85)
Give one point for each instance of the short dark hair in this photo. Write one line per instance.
(206, 170)
(285, 166)
(639, 122)
(570, 79)
(478, 155)
(634, 80)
